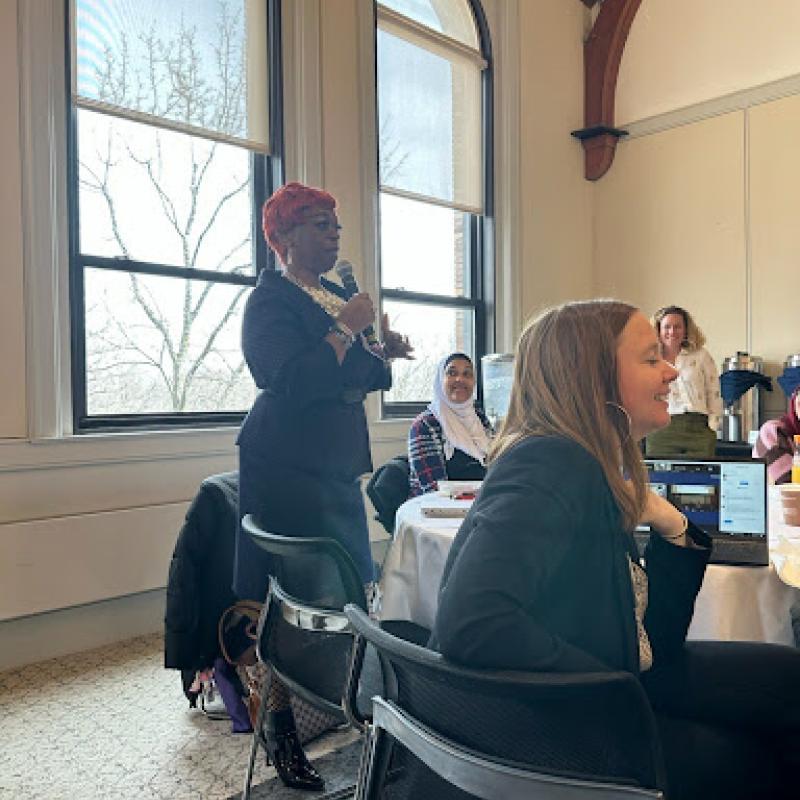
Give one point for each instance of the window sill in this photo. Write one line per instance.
(117, 447)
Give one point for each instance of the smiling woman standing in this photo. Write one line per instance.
(695, 404)
(305, 443)
(450, 439)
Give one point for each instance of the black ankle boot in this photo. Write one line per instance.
(285, 752)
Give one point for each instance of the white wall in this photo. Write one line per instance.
(12, 319)
(698, 206)
(555, 214)
(681, 52)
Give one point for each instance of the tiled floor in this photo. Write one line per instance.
(113, 722)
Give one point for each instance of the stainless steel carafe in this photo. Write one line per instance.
(792, 361)
(741, 420)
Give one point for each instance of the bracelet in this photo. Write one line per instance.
(344, 329)
(342, 333)
(679, 535)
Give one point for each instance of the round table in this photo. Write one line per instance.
(734, 603)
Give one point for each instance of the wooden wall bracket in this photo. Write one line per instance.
(602, 53)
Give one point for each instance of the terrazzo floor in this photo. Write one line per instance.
(113, 722)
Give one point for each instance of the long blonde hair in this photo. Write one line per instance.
(565, 384)
(694, 338)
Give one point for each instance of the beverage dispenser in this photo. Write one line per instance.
(741, 418)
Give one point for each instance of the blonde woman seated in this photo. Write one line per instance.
(450, 439)
(695, 404)
(544, 573)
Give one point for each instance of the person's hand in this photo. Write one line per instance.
(358, 312)
(394, 344)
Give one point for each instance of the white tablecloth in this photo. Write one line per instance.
(735, 603)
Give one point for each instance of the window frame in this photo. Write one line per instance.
(480, 251)
(267, 175)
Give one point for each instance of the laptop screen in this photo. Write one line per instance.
(725, 497)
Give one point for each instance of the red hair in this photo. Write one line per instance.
(287, 208)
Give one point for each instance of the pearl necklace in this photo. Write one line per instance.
(331, 303)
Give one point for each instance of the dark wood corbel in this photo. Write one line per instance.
(602, 53)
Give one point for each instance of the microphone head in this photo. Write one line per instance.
(344, 269)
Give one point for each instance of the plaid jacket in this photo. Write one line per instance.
(426, 452)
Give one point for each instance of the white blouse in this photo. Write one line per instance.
(696, 389)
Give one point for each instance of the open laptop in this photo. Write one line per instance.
(726, 497)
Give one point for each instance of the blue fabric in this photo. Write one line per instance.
(305, 412)
(295, 502)
(735, 382)
(789, 380)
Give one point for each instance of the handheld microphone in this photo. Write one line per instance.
(344, 269)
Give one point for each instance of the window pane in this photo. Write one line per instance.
(435, 332)
(162, 345)
(451, 17)
(423, 247)
(429, 111)
(193, 62)
(164, 197)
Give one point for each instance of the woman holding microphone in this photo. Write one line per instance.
(305, 443)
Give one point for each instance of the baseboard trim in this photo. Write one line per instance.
(39, 637)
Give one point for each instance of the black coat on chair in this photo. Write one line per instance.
(199, 583)
(388, 489)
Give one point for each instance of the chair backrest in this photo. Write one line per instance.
(304, 633)
(388, 489)
(593, 727)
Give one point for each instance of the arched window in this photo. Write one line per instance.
(172, 142)
(434, 146)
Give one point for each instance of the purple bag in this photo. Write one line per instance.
(230, 689)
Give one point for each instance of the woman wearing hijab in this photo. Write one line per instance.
(450, 439)
(775, 443)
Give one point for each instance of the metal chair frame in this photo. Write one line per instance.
(473, 772)
(305, 617)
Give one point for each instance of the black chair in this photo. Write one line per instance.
(388, 489)
(446, 732)
(303, 632)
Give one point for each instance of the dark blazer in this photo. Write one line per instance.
(538, 575)
(310, 413)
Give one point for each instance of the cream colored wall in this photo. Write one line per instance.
(555, 217)
(698, 205)
(12, 318)
(774, 164)
(681, 52)
(669, 227)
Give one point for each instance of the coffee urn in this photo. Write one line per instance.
(741, 419)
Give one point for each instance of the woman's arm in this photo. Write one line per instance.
(674, 577)
(425, 457)
(285, 357)
(775, 447)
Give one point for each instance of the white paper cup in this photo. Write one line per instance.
(790, 503)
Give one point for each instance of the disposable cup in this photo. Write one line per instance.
(790, 503)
